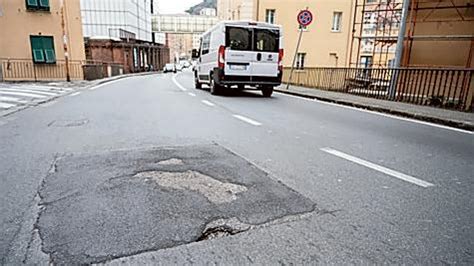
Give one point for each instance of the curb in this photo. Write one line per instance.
(105, 80)
(452, 123)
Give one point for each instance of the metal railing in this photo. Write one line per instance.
(444, 88)
(27, 70)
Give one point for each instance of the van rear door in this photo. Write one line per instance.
(238, 52)
(266, 45)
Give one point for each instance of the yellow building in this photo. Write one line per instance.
(36, 36)
(325, 42)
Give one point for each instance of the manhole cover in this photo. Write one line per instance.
(114, 204)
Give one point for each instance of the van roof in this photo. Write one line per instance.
(250, 23)
(243, 23)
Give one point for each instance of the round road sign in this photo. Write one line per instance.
(305, 17)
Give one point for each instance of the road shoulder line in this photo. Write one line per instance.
(378, 168)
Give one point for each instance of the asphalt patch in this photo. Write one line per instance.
(98, 207)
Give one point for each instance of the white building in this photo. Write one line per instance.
(117, 18)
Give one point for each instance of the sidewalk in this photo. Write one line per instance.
(436, 115)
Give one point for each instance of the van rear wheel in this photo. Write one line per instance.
(197, 84)
(267, 91)
(215, 88)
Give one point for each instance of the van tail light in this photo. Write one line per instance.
(221, 57)
(280, 59)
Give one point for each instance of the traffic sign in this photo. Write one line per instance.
(305, 17)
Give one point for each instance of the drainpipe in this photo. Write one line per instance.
(399, 49)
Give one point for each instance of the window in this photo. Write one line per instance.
(366, 61)
(42, 48)
(238, 39)
(300, 58)
(270, 16)
(336, 22)
(266, 40)
(206, 42)
(245, 39)
(37, 5)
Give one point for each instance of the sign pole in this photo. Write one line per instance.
(294, 58)
(305, 17)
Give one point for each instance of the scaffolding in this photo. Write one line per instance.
(375, 31)
(376, 24)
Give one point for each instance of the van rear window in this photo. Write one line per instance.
(238, 39)
(252, 39)
(266, 40)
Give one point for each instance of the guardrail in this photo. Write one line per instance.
(444, 88)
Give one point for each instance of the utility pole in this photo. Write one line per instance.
(399, 49)
(65, 40)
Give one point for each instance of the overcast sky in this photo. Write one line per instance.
(175, 6)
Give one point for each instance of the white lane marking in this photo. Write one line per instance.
(31, 91)
(6, 105)
(11, 99)
(207, 103)
(192, 94)
(177, 84)
(379, 168)
(24, 94)
(247, 120)
(108, 83)
(75, 94)
(380, 114)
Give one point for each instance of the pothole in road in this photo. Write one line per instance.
(164, 198)
(214, 190)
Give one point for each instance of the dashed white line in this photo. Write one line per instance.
(177, 84)
(75, 94)
(379, 168)
(207, 103)
(192, 94)
(381, 114)
(247, 120)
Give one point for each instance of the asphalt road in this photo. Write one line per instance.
(384, 190)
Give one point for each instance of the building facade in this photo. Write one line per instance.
(119, 32)
(117, 18)
(36, 37)
(236, 9)
(324, 43)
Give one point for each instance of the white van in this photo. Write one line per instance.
(239, 54)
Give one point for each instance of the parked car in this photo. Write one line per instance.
(239, 54)
(179, 67)
(169, 68)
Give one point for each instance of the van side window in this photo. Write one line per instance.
(238, 39)
(205, 44)
(266, 40)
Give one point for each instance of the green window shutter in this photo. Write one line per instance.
(32, 3)
(50, 57)
(44, 3)
(38, 56)
(48, 46)
(37, 49)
